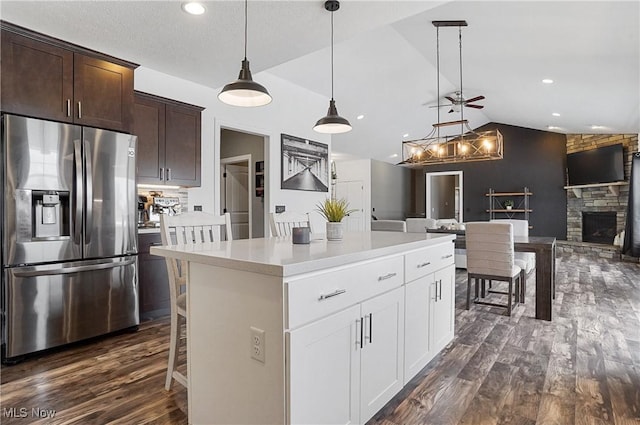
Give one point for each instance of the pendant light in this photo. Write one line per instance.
(332, 123)
(244, 91)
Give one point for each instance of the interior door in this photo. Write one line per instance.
(236, 180)
(353, 192)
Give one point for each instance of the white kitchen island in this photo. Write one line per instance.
(324, 333)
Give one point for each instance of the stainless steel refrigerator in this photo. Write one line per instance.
(69, 234)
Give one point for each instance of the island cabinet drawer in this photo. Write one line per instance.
(427, 260)
(318, 295)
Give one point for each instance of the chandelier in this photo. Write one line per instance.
(464, 145)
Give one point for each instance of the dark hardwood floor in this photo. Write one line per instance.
(582, 368)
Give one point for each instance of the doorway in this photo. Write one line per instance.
(353, 192)
(245, 153)
(444, 195)
(236, 194)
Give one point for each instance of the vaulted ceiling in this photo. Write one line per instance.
(385, 57)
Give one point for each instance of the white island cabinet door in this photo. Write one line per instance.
(382, 355)
(442, 308)
(324, 370)
(417, 350)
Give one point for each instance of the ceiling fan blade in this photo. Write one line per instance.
(450, 99)
(474, 106)
(474, 99)
(438, 106)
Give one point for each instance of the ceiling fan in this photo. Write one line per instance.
(457, 100)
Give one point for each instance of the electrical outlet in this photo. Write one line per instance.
(280, 208)
(257, 344)
(197, 207)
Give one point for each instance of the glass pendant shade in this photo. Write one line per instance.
(332, 123)
(244, 91)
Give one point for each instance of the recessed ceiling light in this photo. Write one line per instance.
(395, 155)
(193, 8)
(547, 81)
(405, 135)
(553, 127)
(598, 127)
(555, 114)
(359, 117)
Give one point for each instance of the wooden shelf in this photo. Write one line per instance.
(509, 194)
(614, 188)
(520, 210)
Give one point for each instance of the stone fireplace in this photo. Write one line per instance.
(600, 206)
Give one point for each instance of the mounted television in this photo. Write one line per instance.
(601, 165)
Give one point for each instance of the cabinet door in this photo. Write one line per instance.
(37, 78)
(324, 370)
(382, 356)
(417, 351)
(182, 146)
(103, 94)
(442, 308)
(149, 125)
(155, 300)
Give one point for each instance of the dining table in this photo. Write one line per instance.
(545, 249)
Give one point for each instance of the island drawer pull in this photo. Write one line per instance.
(447, 256)
(385, 277)
(428, 263)
(333, 294)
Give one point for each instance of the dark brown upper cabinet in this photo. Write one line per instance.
(169, 135)
(47, 78)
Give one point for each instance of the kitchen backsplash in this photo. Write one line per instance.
(182, 194)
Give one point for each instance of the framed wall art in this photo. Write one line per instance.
(305, 164)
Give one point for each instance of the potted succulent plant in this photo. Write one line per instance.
(508, 204)
(334, 210)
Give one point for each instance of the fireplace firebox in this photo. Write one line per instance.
(599, 227)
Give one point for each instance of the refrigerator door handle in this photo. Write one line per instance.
(89, 190)
(79, 193)
(73, 269)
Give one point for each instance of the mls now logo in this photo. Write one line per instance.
(23, 412)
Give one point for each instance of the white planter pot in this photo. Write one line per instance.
(509, 207)
(334, 231)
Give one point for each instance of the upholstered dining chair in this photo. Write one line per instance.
(490, 256)
(192, 228)
(282, 223)
(526, 260)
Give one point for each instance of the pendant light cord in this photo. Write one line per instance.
(438, 75)
(461, 93)
(245, 28)
(331, 55)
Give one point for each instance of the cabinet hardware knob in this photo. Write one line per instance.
(161, 173)
(333, 294)
(424, 264)
(168, 174)
(385, 277)
(447, 256)
(79, 109)
(68, 107)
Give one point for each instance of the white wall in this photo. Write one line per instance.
(293, 111)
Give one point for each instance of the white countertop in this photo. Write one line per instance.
(280, 257)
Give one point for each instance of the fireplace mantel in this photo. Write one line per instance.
(614, 187)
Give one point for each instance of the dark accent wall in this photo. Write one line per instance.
(532, 158)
